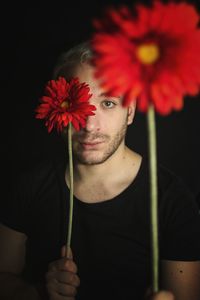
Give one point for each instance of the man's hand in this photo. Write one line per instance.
(162, 295)
(61, 278)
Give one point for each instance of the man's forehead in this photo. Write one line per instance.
(86, 73)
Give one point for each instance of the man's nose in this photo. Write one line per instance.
(92, 123)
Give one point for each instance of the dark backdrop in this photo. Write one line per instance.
(33, 35)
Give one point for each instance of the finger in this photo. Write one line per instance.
(56, 296)
(66, 252)
(62, 289)
(65, 290)
(63, 277)
(70, 266)
(57, 264)
(63, 264)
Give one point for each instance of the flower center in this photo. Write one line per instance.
(148, 53)
(65, 104)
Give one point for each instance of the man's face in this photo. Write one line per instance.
(105, 131)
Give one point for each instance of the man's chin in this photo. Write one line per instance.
(89, 160)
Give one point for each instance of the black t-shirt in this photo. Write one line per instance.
(111, 240)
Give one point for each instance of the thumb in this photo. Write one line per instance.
(66, 252)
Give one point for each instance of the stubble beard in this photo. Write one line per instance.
(112, 143)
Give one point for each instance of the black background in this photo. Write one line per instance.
(33, 35)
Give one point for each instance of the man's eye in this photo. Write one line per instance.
(108, 104)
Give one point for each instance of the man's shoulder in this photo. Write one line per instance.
(173, 190)
(168, 179)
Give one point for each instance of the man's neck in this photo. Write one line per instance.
(97, 183)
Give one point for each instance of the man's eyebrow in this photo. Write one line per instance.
(106, 95)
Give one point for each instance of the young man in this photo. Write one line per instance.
(111, 244)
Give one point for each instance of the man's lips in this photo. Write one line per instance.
(90, 141)
(87, 144)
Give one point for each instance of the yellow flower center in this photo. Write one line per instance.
(64, 104)
(148, 53)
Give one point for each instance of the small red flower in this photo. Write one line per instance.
(65, 102)
(152, 56)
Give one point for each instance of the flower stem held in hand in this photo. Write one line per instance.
(69, 234)
(66, 103)
(153, 193)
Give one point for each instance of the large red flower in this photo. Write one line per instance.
(151, 54)
(65, 102)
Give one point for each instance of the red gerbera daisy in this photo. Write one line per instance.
(65, 102)
(152, 56)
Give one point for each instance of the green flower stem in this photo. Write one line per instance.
(69, 234)
(153, 194)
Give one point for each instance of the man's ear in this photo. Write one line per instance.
(131, 112)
